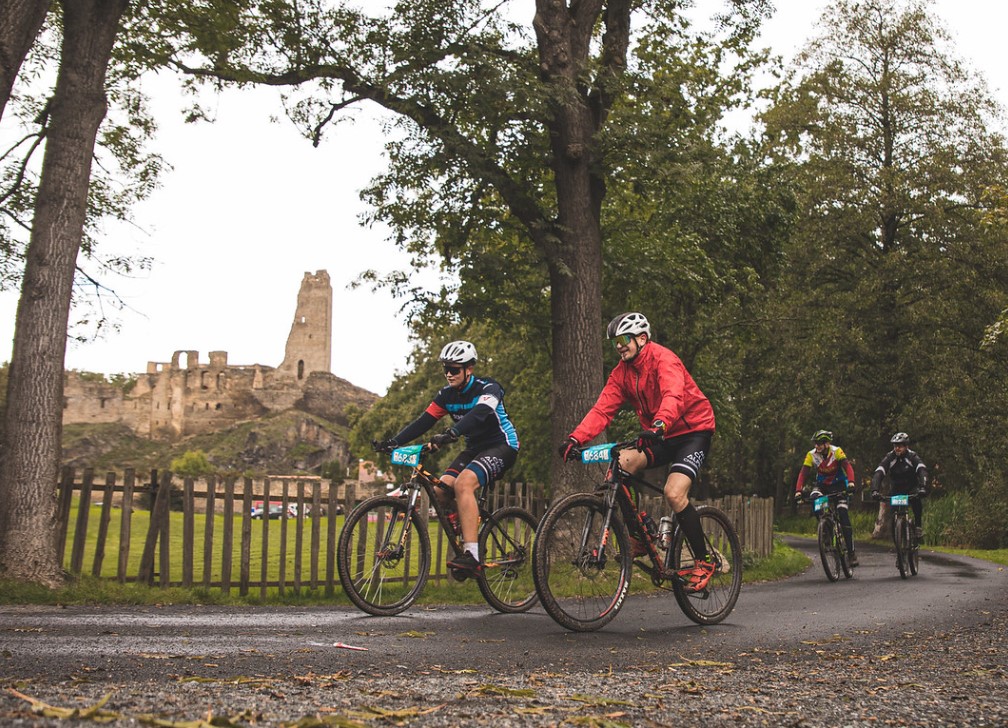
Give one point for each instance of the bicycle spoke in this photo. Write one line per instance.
(712, 604)
(382, 571)
(582, 569)
(506, 542)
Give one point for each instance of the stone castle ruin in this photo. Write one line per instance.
(187, 397)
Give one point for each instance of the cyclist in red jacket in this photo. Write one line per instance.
(677, 423)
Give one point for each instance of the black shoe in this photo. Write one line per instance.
(852, 559)
(464, 565)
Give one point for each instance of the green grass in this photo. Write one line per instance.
(139, 524)
(998, 556)
(784, 562)
(863, 523)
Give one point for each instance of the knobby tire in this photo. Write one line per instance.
(900, 539)
(845, 565)
(506, 541)
(581, 584)
(717, 600)
(378, 578)
(828, 550)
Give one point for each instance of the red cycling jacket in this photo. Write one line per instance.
(659, 387)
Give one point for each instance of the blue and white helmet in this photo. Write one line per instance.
(458, 352)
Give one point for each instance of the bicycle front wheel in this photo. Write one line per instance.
(383, 560)
(828, 549)
(505, 545)
(841, 550)
(902, 545)
(913, 552)
(581, 567)
(714, 602)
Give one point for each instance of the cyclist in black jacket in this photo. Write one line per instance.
(906, 472)
(476, 406)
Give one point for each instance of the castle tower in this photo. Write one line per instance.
(309, 345)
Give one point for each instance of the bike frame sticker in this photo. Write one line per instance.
(597, 453)
(408, 455)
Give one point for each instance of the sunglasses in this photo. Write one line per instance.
(623, 339)
(453, 370)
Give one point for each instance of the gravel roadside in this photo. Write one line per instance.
(951, 676)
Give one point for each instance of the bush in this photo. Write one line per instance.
(968, 520)
(192, 464)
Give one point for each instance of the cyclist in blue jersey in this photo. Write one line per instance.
(476, 406)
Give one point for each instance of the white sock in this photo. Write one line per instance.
(472, 548)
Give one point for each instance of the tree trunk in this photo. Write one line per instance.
(883, 522)
(564, 36)
(22, 21)
(31, 454)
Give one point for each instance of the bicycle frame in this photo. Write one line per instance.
(825, 509)
(583, 554)
(383, 568)
(903, 522)
(617, 484)
(422, 479)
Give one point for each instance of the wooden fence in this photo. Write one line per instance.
(232, 551)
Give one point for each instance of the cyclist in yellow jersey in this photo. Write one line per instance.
(833, 474)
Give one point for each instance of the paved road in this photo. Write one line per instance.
(148, 642)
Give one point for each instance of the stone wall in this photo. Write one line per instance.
(187, 397)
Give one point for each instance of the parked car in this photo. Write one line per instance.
(275, 510)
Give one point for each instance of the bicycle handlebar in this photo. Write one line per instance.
(911, 496)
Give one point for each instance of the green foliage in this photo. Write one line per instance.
(192, 464)
(125, 172)
(973, 518)
(877, 319)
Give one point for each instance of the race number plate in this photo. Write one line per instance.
(820, 503)
(900, 500)
(597, 453)
(408, 455)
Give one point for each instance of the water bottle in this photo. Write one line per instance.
(665, 527)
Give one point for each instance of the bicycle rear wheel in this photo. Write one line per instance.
(900, 539)
(716, 601)
(828, 550)
(581, 569)
(382, 573)
(505, 545)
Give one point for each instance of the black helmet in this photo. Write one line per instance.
(822, 436)
(900, 438)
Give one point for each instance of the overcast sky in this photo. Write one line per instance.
(251, 206)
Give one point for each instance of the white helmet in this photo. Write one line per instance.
(632, 323)
(458, 352)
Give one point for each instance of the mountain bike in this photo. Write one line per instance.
(832, 546)
(384, 550)
(582, 559)
(904, 533)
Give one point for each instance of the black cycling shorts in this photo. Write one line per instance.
(488, 465)
(687, 453)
